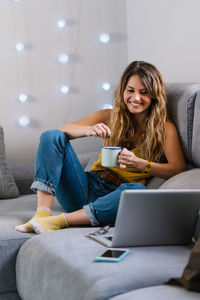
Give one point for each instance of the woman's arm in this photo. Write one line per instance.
(94, 125)
(173, 153)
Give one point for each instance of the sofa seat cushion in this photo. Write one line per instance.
(159, 293)
(62, 266)
(13, 212)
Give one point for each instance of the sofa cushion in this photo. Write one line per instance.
(8, 188)
(196, 133)
(62, 265)
(186, 180)
(14, 212)
(181, 100)
(159, 293)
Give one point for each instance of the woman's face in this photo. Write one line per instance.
(136, 96)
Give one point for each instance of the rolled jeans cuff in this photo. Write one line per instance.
(90, 214)
(42, 186)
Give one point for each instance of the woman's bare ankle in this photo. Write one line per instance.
(78, 217)
(44, 199)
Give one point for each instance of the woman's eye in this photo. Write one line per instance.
(144, 92)
(130, 91)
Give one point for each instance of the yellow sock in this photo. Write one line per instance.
(41, 225)
(41, 212)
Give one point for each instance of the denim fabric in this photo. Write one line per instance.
(59, 172)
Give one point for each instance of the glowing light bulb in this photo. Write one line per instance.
(24, 121)
(63, 58)
(106, 86)
(107, 106)
(22, 98)
(64, 89)
(104, 38)
(61, 23)
(19, 47)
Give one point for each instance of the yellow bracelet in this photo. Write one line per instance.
(148, 166)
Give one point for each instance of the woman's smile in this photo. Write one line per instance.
(136, 96)
(135, 104)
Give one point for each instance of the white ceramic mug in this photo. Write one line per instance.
(110, 156)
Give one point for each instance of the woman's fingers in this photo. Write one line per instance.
(126, 159)
(122, 166)
(100, 130)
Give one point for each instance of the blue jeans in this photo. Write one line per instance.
(59, 172)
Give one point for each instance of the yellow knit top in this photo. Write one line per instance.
(127, 174)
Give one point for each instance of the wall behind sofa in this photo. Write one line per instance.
(166, 33)
(36, 71)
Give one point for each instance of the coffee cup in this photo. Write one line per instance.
(109, 156)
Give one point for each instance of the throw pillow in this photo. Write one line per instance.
(190, 278)
(8, 188)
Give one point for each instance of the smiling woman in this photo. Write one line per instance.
(137, 123)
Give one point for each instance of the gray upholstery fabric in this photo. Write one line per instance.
(186, 180)
(23, 175)
(87, 159)
(14, 212)
(63, 266)
(159, 293)
(155, 183)
(181, 100)
(10, 296)
(8, 188)
(196, 133)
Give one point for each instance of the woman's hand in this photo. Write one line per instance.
(98, 130)
(127, 159)
(74, 131)
(95, 124)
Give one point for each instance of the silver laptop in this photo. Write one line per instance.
(153, 217)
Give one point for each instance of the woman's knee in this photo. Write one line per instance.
(132, 186)
(53, 136)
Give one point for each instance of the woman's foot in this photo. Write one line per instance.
(41, 212)
(42, 225)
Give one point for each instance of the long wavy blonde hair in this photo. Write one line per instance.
(122, 121)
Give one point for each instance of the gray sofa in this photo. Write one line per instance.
(60, 264)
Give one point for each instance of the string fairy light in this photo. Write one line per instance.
(104, 38)
(64, 89)
(24, 121)
(106, 86)
(61, 24)
(63, 58)
(19, 47)
(19, 13)
(22, 98)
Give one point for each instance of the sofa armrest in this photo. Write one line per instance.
(23, 175)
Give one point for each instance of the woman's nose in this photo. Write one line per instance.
(137, 97)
